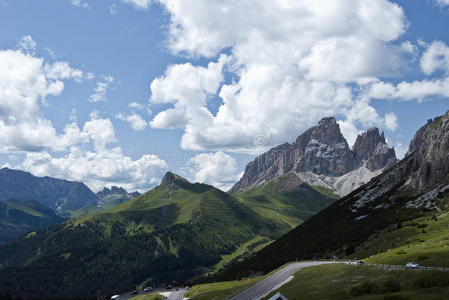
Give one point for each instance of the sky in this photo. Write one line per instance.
(118, 92)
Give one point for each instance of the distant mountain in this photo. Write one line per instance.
(61, 196)
(176, 231)
(370, 220)
(114, 196)
(18, 218)
(321, 156)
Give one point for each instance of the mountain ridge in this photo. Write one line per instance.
(63, 196)
(321, 155)
(415, 187)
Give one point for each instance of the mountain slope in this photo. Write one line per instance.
(18, 218)
(321, 156)
(174, 231)
(416, 187)
(60, 195)
(287, 198)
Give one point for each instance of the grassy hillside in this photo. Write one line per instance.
(342, 228)
(338, 282)
(173, 232)
(18, 218)
(287, 199)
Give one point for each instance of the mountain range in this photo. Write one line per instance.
(62, 196)
(321, 157)
(402, 209)
(28, 202)
(286, 206)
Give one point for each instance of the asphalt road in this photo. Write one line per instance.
(179, 295)
(262, 288)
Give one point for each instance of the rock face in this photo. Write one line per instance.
(114, 196)
(430, 151)
(322, 151)
(372, 149)
(60, 195)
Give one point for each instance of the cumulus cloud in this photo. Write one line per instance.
(102, 165)
(406, 91)
(391, 121)
(101, 89)
(140, 4)
(282, 70)
(25, 82)
(218, 169)
(135, 120)
(436, 57)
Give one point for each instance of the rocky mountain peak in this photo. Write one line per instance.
(371, 150)
(172, 180)
(323, 151)
(115, 190)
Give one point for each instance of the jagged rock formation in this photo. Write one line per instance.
(60, 195)
(114, 196)
(321, 156)
(372, 149)
(430, 149)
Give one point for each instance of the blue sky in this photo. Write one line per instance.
(200, 87)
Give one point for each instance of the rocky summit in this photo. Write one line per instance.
(321, 156)
(114, 196)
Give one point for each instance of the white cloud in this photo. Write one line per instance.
(407, 91)
(400, 150)
(99, 169)
(136, 105)
(101, 89)
(442, 3)
(436, 57)
(25, 82)
(140, 4)
(349, 131)
(218, 169)
(285, 60)
(27, 44)
(135, 120)
(104, 165)
(80, 3)
(391, 121)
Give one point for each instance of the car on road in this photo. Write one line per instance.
(115, 297)
(412, 265)
(148, 289)
(169, 287)
(134, 293)
(360, 263)
(187, 288)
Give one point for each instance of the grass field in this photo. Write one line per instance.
(336, 282)
(424, 240)
(221, 290)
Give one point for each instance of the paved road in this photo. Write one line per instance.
(264, 287)
(177, 295)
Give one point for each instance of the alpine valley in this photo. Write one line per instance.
(286, 206)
